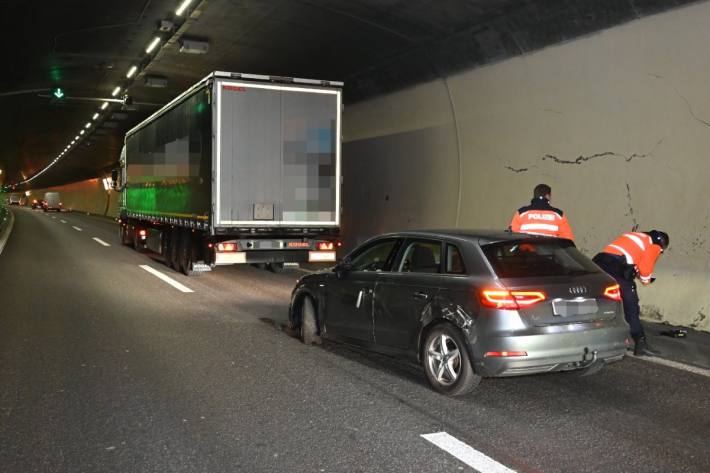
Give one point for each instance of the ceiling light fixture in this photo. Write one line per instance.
(88, 124)
(131, 71)
(152, 45)
(183, 6)
(96, 115)
(104, 106)
(82, 132)
(115, 91)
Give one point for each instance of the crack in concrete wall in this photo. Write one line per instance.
(630, 213)
(516, 170)
(699, 319)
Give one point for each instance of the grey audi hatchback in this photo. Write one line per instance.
(467, 304)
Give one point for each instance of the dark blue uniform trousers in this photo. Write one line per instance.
(629, 297)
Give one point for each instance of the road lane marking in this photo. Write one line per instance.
(54, 217)
(167, 279)
(674, 364)
(100, 241)
(63, 221)
(466, 453)
(76, 228)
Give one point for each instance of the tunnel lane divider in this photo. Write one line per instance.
(76, 228)
(465, 453)
(167, 279)
(100, 241)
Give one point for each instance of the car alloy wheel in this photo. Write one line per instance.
(446, 361)
(444, 358)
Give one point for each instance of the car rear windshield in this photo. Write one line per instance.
(535, 258)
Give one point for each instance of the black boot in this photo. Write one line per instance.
(642, 348)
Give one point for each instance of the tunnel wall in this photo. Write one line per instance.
(85, 196)
(618, 123)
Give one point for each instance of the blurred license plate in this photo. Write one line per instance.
(572, 307)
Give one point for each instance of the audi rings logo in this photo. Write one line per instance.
(577, 290)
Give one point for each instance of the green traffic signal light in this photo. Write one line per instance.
(58, 93)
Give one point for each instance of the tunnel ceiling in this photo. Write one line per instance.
(374, 46)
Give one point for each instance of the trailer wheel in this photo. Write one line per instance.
(123, 235)
(187, 254)
(137, 245)
(172, 259)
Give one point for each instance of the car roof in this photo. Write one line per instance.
(482, 237)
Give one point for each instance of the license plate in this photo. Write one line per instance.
(572, 307)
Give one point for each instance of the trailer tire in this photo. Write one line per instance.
(123, 235)
(137, 245)
(172, 257)
(187, 254)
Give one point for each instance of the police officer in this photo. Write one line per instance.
(540, 218)
(631, 255)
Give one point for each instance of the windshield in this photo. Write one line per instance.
(537, 257)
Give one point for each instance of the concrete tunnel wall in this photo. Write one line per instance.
(618, 123)
(84, 196)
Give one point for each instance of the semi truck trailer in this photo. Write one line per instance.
(240, 168)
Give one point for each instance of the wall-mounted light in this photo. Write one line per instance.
(152, 45)
(183, 6)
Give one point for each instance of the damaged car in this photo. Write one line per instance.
(467, 305)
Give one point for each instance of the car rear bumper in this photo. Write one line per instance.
(548, 352)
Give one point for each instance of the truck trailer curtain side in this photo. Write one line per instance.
(237, 169)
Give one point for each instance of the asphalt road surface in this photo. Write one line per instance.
(105, 367)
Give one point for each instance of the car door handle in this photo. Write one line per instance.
(421, 295)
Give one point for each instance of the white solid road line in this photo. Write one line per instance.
(167, 279)
(100, 241)
(674, 364)
(466, 453)
(76, 228)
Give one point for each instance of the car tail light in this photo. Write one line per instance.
(613, 292)
(504, 354)
(226, 247)
(325, 246)
(510, 300)
(142, 233)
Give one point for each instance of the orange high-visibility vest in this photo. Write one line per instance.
(541, 220)
(639, 250)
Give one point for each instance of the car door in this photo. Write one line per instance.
(349, 294)
(403, 295)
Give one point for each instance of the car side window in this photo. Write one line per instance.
(374, 258)
(454, 261)
(421, 257)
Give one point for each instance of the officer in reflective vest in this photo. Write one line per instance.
(540, 218)
(633, 255)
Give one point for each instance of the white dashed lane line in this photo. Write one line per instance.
(466, 453)
(167, 279)
(54, 217)
(63, 221)
(76, 228)
(100, 241)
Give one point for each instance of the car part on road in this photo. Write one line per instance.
(675, 333)
(446, 362)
